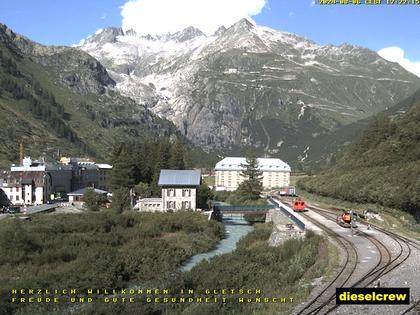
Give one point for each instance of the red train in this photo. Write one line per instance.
(298, 205)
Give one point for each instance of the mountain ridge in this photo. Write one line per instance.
(60, 98)
(237, 86)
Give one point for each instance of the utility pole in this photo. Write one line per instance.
(21, 153)
(131, 198)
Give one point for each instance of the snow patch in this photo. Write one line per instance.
(231, 70)
(302, 109)
(305, 154)
(272, 68)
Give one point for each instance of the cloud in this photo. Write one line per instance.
(163, 16)
(104, 16)
(312, 3)
(396, 54)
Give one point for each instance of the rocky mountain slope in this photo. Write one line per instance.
(250, 85)
(61, 98)
(330, 147)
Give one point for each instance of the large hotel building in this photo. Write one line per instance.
(276, 173)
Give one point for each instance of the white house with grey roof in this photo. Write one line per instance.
(179, 191)
(276, 173)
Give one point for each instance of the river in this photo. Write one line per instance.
(235, 228)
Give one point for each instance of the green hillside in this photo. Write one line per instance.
(327, 148)
(59, 98)
(382, 166)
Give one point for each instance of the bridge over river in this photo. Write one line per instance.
(221, 209)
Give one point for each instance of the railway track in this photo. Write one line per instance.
(386, 263)
(327, 295)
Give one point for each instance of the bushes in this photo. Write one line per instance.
(93, 200)
(274, 270)
(394, 186)
(99, 249)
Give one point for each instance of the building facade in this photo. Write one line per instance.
(27, 188)
(176, 198)
(179, 191)
(275, 172)
(150, 205)
(37, 182)
(87, 173)
(77, 197)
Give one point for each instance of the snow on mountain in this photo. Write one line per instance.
(215, 88)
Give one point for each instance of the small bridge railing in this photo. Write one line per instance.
(243, 208)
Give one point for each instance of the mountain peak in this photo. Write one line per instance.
(130, 32)
(107, 35)
(220, 31)
(242, 25)
(186, 34)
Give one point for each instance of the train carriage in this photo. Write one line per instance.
(298, 205)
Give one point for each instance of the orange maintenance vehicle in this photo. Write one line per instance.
(345, 219)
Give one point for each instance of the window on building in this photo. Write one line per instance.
(186, 193)
(186, 205)
(171, 192)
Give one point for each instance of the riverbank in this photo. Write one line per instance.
(256, 278)
(235, 229)
(282, 274)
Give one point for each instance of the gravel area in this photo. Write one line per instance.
(283, 228)
(406, 275)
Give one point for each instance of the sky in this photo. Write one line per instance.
(391, 30)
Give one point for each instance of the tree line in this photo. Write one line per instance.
(137, 165)
(140, 161)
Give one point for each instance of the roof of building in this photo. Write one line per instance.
(82, 191)
(151, 200)
(58, 167)
(104, 166)
(179, 178)
(265, 164)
